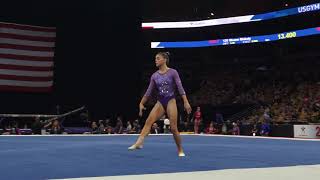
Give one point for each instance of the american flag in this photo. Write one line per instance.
(26, 57)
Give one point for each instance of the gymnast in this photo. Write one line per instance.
(165, 81)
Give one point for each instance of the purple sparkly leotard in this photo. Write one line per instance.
(165, 84)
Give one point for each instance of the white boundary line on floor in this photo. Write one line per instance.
(261, 137)
(205, 135)
(291, 172)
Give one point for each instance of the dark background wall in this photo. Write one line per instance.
(179, 10)
(97, 56)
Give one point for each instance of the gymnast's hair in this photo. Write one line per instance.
(165, 55)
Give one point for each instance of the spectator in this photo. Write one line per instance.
(235, 129)
(136, 127)
(265, 129)
(36, 126)
(55, 127)
(197, 120)
(155, 129)
(211, 129)
(109, 130)
(224, 129)
(119, 126)
(94, 128)
(108, 126)
(129, 127)
(254, 131)
(101, 128)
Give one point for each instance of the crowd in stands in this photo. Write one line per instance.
(290, 92)
(106, 127)
(34, 126)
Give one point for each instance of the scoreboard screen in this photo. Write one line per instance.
(239, 40)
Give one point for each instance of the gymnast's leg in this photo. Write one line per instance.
(154, 115)
(173, 117)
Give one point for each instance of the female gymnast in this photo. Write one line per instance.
(165, 81)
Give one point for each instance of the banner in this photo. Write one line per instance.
(307, 131)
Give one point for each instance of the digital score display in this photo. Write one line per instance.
(240, 40)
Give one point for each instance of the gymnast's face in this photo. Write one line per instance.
(160, 60)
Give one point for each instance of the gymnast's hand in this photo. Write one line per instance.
(141, 108)
(187, 107)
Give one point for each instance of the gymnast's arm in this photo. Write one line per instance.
(146, 95)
